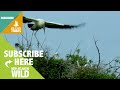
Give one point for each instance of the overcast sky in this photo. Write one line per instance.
(103, 25)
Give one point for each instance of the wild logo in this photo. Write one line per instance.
(20, 68)
(14, 64)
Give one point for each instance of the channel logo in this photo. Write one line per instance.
(16, 27)
(12, 24)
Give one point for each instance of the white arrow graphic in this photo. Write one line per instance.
(7, 62)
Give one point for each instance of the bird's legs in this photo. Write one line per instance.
(30, 41)
(36, 38)
(44, 29)
(38, 43)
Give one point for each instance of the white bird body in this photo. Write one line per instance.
(36, 25)
(41, 23)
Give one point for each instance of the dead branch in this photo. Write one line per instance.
(99, 59)
(58, 47)
(76, 47)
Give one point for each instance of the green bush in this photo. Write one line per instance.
(74, 66)
(53, 68)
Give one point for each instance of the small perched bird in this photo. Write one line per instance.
(36, 24)
(18, 46)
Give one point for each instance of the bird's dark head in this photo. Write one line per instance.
(30, 25)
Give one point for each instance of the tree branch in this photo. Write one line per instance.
(99, 60)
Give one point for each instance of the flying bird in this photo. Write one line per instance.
(37, 24)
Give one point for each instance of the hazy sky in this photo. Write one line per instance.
(103, 25)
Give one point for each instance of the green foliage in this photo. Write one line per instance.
(74, 66)
(91, 73)
(50, 68)
(54, 68)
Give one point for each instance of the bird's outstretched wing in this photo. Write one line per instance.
(28, 20)
(61, 26)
